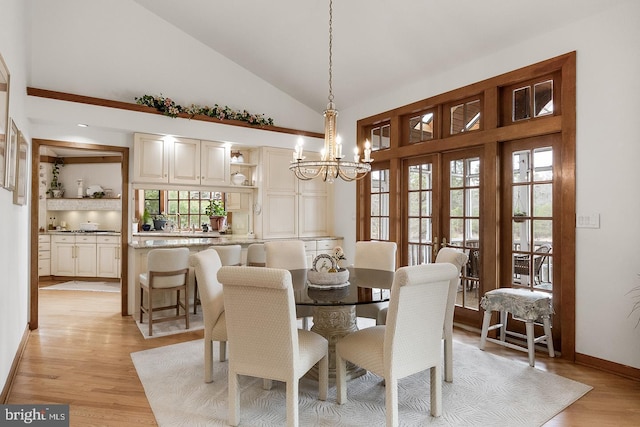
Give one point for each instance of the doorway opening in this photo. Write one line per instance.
(97, 154)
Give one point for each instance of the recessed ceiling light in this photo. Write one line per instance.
(82, 125)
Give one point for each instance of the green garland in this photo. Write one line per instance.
(168, 107)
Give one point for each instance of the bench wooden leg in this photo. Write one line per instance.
(531, 343)
(547, 332)
(485, 329)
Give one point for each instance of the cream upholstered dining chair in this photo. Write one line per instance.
(378, 256)
(167, 271)
(256, 255)
(263, 338)
(229, 255)
(206, 265)
(290, 255)
(458, 259)
(410, 342)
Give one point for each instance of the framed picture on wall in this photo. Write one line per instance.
(4, 119)
(20, 193)
(12, 157)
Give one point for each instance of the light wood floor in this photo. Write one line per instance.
(80, 356)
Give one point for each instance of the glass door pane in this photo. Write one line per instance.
(532, 220)
(461, 193)
(380, 204)
(420, 241)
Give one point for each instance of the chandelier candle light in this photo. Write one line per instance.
(331, 164)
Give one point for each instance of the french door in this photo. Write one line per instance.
(442, 201)
(530, 234)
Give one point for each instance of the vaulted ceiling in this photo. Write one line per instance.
(377, 44)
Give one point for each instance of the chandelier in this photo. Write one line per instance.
(331, 164)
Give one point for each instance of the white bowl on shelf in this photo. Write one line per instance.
(238, 178)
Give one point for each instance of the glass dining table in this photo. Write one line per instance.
(334, 306)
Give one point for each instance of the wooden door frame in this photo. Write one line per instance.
(35, 209)
(494, 130)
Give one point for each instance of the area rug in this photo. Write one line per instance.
(78, 285)
(487, 390)
(170, 327)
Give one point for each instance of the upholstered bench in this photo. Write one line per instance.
(528, 306)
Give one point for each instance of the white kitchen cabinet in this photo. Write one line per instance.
(170, 160)
(108, 256)
(44, 255)
(184, 161)
(292, 208)
(150, 159)
(63, 261)
(214, 163)
(73, 255)
(86, 260)
(313, 248)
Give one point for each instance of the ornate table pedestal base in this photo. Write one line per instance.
(333, 323)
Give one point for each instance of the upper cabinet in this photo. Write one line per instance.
(169, 160)
(150, 159)
(292, 208)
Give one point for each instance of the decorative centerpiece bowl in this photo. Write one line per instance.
(328, 278)
(325, 272)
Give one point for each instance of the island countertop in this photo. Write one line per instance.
(192, 240)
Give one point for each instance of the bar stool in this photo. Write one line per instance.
(528, 306)
(168, 271)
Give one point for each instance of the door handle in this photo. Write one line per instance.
(436, 249)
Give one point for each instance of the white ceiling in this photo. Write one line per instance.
(377, 44)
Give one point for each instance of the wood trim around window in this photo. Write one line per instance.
(493, 131)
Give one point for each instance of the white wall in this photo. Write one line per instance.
(124, 51)
(14, 219)
(608, 149)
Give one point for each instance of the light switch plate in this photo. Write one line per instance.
(588, 220)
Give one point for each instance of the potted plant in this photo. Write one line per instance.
(56, 189)
(519, 216)
(146, 217)
(217, 214)
(159, 221)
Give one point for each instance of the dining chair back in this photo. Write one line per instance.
(289, 255)
(229, 254)
(410, 342)
(458, 259)
(167, 271)
(379, 256)
(256, 255)
(263, 338)
(206, 265)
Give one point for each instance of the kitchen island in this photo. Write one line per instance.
(143, 242)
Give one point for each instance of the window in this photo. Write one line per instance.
(380, 204)
(532, 221)
(186, 209)
(380, 137)
(152, 201)
(420, 212)
(436, 183)
(541, 104)
(189, 207)
(421, 127)
(465, 117)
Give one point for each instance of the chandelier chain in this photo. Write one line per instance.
(330, 50)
